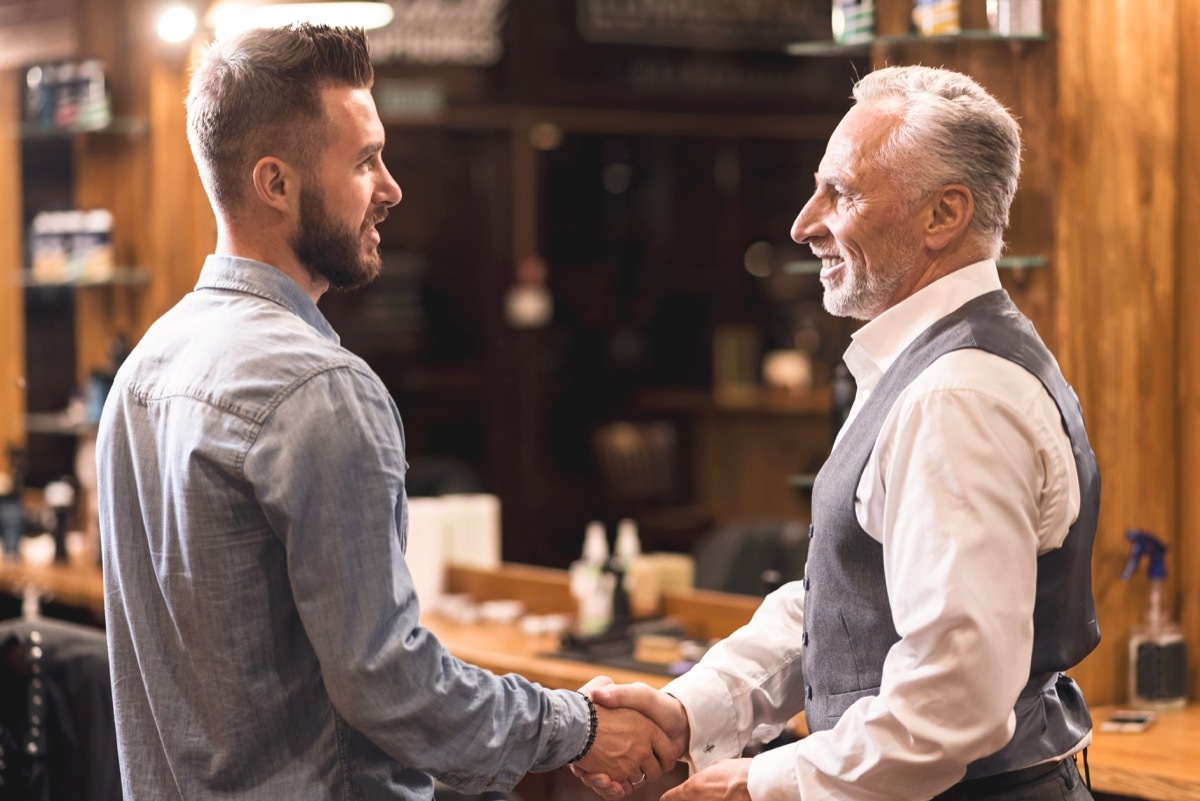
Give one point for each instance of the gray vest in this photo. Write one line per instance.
(848, 622)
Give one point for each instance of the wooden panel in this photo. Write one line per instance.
(1187, 562)
(111, 173)
(184, 230)
(1115, 267)
(12, 318)
(743, 460)
(35, 30)
(163, 221)
(1015, 72)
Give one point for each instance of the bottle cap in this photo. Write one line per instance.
(628, 546)
(595, 544)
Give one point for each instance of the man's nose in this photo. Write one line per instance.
(808, 224)
(388, 192)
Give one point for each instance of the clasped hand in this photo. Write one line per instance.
(630, 717)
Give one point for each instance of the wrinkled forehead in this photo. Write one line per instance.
(856, 143)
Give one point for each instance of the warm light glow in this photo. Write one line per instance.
(229, 20)
(177, 24)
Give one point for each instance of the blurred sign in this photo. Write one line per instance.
(718, 24)
(452, 32)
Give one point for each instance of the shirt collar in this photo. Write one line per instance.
(876, 345)
(235, 274)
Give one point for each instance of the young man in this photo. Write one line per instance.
(948, 582)
(263, 627)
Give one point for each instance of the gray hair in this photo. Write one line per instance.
(951, 132)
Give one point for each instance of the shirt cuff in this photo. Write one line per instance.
(773, 776)
(569, 724)
(711, 718)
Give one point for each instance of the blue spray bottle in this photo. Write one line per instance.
(1157, 652)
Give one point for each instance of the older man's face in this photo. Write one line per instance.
(860, 222)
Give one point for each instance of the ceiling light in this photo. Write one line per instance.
(228, 19)
(177, 24)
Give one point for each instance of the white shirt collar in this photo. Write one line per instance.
(879, 342)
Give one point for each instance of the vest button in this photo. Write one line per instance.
(804, 638)
(808, 691)
(810, 531)
(806, 583)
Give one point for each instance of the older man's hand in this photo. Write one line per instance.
(726, 780)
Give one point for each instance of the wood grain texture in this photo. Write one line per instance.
(1160, 764)
(1116, 272)
(12, 339)
(1188, 366)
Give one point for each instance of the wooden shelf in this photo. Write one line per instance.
(749, 400)
(813, 266)
(121, 276)
(120, 126)
(863, 48)
(57, 424)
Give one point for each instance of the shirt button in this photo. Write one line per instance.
(804, 638)
(808, 691)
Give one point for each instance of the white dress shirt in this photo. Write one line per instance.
(971, 478)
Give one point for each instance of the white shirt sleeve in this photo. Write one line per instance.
(972, 478)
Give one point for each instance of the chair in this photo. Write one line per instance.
(639, 468)
(56, 716)
(735, 557)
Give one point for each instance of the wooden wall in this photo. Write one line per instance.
(1122, 285)
(1187, 562)
(1111, 192)
(12, 341)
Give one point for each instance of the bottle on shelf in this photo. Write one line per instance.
(628, 547)
(592, 583)
(60, 499)
(1157, 651)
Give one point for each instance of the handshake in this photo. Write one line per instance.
(641, 733)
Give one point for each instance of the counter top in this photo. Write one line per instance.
(73, 584)
(1161, 763)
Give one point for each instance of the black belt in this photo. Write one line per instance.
(990, 785)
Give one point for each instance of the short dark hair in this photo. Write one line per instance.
(258, 94)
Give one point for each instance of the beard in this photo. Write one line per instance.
(332, 251)
(866, 291)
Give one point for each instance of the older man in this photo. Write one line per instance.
(948, 583)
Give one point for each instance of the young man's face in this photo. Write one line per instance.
(346, 193)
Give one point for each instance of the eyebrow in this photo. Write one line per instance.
(369, 150)
(827, 179)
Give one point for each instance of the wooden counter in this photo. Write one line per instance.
(71, 584)
(505, 649)
(1161, 763)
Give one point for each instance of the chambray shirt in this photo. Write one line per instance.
(262, 624)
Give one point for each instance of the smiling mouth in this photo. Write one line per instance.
(830, 264)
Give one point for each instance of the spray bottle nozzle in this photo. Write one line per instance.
(1143, 543)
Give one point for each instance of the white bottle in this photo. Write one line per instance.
(591, 584)
(629, 546)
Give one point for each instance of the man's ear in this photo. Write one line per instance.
(277, 184)
(950, 212)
